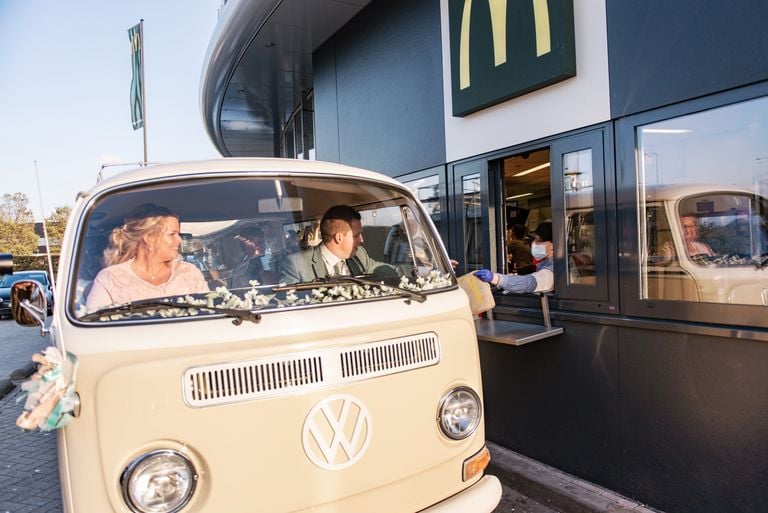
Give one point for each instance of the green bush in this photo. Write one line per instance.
(34, 263)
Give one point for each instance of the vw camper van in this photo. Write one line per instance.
(354, 392)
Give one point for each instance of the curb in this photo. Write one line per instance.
(24, 372)
(17, 376)
(554, 488)
(6, 385)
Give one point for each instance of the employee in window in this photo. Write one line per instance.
(519, 256)
(542, 280)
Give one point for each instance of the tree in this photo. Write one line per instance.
(55, 224)
(17, 225)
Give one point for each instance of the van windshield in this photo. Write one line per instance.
(254, 243)
(724, 229)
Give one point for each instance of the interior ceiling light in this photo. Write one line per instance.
(666, 131)
(533, 169)
(520, 195)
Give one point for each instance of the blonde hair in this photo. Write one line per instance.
(125, 240)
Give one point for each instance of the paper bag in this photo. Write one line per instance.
(479, 293)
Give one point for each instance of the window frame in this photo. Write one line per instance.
(629, 212)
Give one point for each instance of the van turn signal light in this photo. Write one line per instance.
(476, 464)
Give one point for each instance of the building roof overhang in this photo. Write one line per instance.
(258, 65)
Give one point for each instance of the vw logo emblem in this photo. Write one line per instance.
(337, 432)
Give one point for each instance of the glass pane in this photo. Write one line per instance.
(703, 180)
(472, 215)
(308, 111)
(428, 191)
(527, 203)
(256, 242)
(579, 215)
(299, 134)
(288, 142)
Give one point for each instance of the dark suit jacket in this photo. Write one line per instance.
(308, 265)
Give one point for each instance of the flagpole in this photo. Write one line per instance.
(143, 89)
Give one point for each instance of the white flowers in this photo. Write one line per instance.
(253, 299)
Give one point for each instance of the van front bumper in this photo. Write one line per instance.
(481, 497)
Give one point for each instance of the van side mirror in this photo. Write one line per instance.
(28, 304)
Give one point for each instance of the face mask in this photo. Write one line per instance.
(538, 251)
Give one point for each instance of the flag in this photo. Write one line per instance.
(137, 82)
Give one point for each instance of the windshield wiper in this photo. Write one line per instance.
(762, 263)
(358, 280)
(154, 304)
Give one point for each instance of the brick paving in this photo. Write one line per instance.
(29, 473)
(18, 345)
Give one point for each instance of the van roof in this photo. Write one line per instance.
(658, 192)
(233, 165)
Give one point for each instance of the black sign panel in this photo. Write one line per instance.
(501, 49)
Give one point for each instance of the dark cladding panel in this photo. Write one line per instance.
(388, 88)
(326, 109)
(663, 52)
(694, 419)
(557, 400)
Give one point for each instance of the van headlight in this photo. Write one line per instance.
(158, 482)
(459, 413)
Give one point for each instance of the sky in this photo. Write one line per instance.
(65, 74)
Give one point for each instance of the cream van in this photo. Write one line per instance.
(358, 392)
(705, 243)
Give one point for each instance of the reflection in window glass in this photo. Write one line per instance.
(428, 191)
(472, 221)
(579, 213)
(703, 181)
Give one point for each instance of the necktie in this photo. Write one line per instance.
(340, 269)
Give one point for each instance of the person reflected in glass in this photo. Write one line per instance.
(693, 246)
(252, 242)
(541, 280)
(341, 252)
(519, 256)
(142, 261)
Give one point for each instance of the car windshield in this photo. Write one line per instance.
(10, 279)
(253, 243)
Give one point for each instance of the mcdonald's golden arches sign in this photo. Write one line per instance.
(501, 49)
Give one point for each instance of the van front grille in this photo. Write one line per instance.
(223, 383)
(245, 380)
(387, 357)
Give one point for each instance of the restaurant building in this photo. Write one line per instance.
(634, 127)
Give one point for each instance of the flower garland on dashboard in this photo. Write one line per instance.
(253, 299)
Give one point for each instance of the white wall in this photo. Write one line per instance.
(576, 102)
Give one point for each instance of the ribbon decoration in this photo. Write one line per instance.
(49, 392)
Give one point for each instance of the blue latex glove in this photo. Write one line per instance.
(484, 275)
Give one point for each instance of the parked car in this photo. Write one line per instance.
(7, 281)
